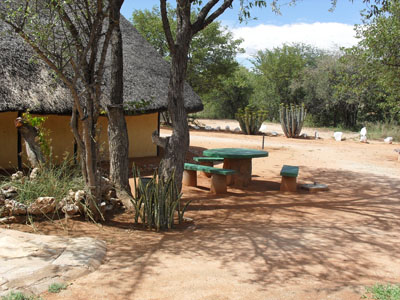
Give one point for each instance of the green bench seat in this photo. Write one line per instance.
(208, 159)
(218, 177)
(208, 169)
(290, 171)
(289, 178)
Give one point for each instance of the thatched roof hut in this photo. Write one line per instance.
(27, 83)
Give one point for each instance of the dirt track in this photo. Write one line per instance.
(258, 243)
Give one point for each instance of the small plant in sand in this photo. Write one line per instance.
(292, 119)
(19, 296)
(382, 292)
(250, 119)
(57, 287)
(156, 201)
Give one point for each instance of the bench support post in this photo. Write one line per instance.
(289, 184)
(189, 178)
(218, 184)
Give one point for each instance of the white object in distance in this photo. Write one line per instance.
(263, 128)
(388, 140)
(338, 135)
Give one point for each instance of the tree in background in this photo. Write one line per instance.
(211, 58)
(234, 93)
(379, 48)
(275, 70)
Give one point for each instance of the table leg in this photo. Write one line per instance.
(242, 166)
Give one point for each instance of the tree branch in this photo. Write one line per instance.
(159, 141)
(203, 22)
(167, 27)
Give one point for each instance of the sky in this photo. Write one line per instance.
(309, 22)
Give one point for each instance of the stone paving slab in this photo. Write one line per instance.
(31, 262)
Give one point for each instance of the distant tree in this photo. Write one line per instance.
(233, 93)
(276, 70)
(212, 52)
(379, 48)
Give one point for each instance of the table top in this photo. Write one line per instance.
(235, 153)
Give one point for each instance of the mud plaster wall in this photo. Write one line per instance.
(139, 131)
(8, 141)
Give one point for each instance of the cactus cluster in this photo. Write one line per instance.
(250, 119)
(292, 119)
(156, 201)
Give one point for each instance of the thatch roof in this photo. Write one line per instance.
(26, 83)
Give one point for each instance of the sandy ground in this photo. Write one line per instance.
(256, 242)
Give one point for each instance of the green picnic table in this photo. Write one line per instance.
(238, 159)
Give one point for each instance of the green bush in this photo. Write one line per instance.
(156, 202)
(52, 181)
(382, 292)
(57, 287)
(19, 296)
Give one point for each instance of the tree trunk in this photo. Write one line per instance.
(30, 135)
(178, 144)
(93, 176)
(117, 129)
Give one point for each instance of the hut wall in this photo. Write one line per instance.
(60, 136)
(62, 140)
(8, 140)
(140, 129)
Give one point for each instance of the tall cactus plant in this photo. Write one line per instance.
(292, 119)
(250, 119)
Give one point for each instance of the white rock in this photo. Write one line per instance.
(13, 208)
(42, 205)
(9, 191)
(388, 140)
(34, 173)
(274, 133)
(70, 209)
(263, 128)
(18, 208)
(196, 127)
(79, 195)
(71, 194)
(363, 139)
(227, 128)
(17, 176)
(338, 136)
